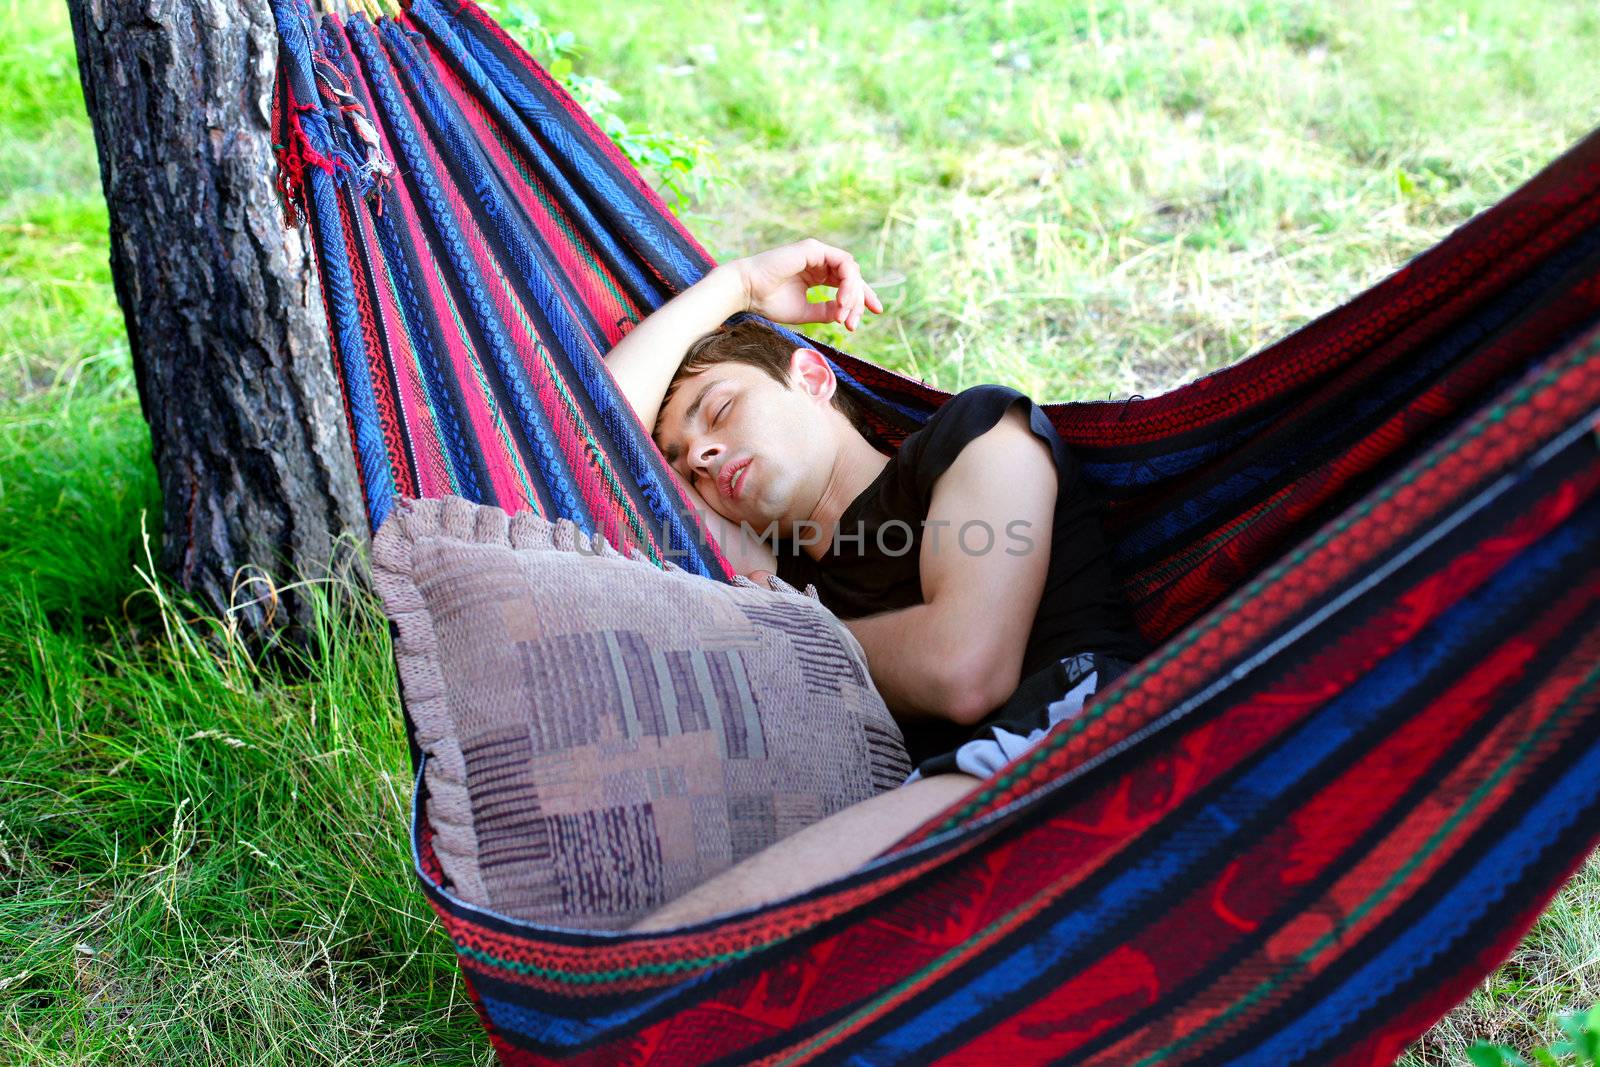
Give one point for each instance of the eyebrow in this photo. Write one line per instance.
(694, 408)
(672, 451)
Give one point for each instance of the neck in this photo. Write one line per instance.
(857, 465)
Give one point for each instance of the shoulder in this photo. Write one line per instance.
(969, 415)
(976, 405)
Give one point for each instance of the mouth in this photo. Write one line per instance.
(733, 479)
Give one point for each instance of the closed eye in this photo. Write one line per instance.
(721, 411)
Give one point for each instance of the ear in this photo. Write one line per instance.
(810, 373)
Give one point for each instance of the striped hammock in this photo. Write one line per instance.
(1363, 756)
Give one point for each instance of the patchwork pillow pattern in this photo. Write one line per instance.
(603, 735)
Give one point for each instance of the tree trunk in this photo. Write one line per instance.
(224, 318)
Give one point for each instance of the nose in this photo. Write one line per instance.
(701, 454)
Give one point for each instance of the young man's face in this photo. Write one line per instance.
(756, 451)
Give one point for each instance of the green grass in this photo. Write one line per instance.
(200, 862)
(1101, 198)
(205, 861)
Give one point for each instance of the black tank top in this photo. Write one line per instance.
(873, 564)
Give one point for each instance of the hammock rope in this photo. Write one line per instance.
(1363, 755)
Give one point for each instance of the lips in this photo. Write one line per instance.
(731, 478)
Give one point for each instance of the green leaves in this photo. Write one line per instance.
(683, 168)
(1583, 1037)
(1484, 1054)
(1581, 1048)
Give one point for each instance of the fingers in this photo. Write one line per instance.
(849, 296)
(863, 298)
(822, 311)
(856, 298)
(873, 303)
(817, 263)
(844, 273)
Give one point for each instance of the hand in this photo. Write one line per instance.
(775, 284)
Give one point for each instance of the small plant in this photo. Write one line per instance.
(1580, 1048)
(684, 168)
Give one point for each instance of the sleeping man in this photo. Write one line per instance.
(970, 565)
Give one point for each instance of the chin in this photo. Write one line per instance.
(765, 512)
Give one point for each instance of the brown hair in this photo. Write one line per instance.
(753, 343)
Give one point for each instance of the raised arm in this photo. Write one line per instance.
(958, 655)
(644, 361)
(772, 283)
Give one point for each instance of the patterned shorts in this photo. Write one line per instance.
(1048, 696)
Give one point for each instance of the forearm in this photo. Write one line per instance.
(820, 853)
(958, 654)
(886, 638)
(925, 667)
(644, 361)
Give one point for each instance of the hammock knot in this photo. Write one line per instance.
(356, 147)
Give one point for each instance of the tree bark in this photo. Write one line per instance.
(224, 318)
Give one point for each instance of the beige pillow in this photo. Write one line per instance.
(603, 735)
